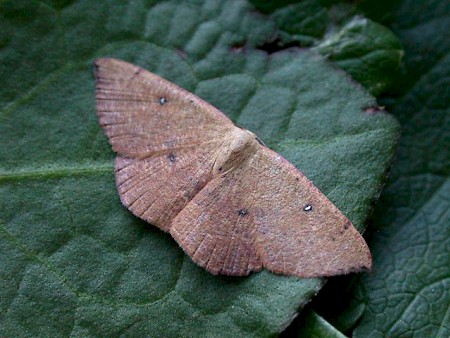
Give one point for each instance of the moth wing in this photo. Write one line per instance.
(263, 212)
(266, 213)
(143, 114)
(166, 138)
(158, 187)
(217, 228)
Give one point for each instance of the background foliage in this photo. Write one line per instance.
(74, 262)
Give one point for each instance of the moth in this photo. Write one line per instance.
(231, 203)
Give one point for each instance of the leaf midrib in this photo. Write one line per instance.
(76, 170)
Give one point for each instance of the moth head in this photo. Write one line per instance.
(236, 149)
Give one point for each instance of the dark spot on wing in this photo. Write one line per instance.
(242, 212)
(307, 208)
(162, 100)
(172, 158)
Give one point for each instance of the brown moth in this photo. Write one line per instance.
(231, 203)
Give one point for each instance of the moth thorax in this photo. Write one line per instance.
(238, 147)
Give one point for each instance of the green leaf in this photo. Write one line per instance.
(304, 21)
(407, 294)
(409, 290)
(78, 263)
(311, 325)
(368, 51)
